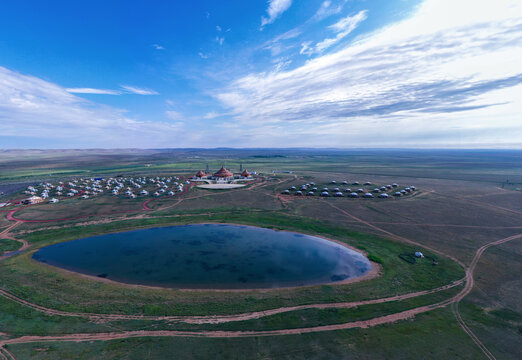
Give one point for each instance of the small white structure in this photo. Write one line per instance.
(419, 254)
(53, 201)
(85, 196)
(32, 200)
(144, 192)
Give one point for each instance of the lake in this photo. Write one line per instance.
(208, 256)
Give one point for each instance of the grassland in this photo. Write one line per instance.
(463, 202)
(432, 335)
(8, 245)
(47, 286)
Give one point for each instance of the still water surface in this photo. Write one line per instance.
(208, 256)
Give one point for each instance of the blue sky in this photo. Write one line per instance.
(277, 73)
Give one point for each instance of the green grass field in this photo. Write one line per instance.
(8, 245)
(462, 203)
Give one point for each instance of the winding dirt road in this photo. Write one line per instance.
(218, 319)
(454, 301)
(221, 334)
(6, 234)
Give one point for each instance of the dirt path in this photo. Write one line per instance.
(5, 354)
(392, 235)
(469, 273)
(469, 286)
(481, 204)
(454, 301)
(476, 340)
(227, 334)
(5, 234)
(446, 225)
(218, 319)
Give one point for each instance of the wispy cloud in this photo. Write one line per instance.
(328, 9)
(125, 89)
(48, 111)
(275, 9)
(202, 55)
(342, 28)
(220, 40)
(174, 115)
(275, 45)
(213, 115)
(437, 78)
(158, 47)
(282, 42)
(138, 91)
(93, 91)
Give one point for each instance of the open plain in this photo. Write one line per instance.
(461, 300)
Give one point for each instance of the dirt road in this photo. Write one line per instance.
(228, 334)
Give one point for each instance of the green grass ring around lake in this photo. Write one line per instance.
(50, 287)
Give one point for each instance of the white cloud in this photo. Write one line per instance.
(327, 9)
(138, 91)
(220, 40)
(447, 76)
(305, 47)
(276, 46)
(174, 115)
(93, 91)
(126, 89)
(203, 56)
(342, 28)
(158, 47)
(349, 23)
(33, 108)
(218, 28)
(275, 9)
(212, 115)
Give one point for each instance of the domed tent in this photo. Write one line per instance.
(223, 174)
(200, 174)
